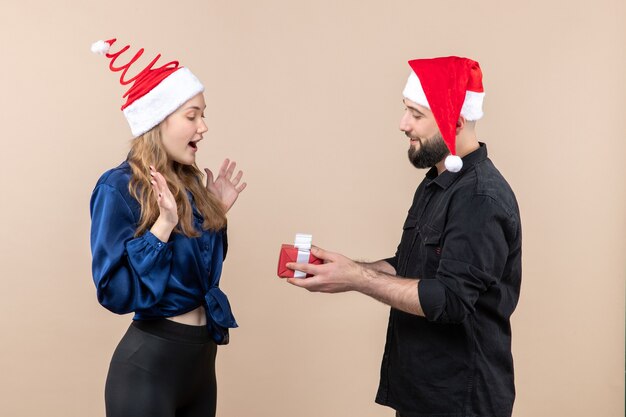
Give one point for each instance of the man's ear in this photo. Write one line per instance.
(460, 124)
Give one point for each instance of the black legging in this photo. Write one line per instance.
(162, 369)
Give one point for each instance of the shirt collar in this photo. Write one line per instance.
(446, 178)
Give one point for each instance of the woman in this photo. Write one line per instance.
(158, 240)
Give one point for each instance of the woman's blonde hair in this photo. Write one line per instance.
(147, 150)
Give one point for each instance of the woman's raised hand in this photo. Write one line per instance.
(225, 187)
(168, 217)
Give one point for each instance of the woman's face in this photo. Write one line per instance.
(182, 130)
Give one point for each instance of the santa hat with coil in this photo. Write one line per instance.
(450, 87)
(155, 92)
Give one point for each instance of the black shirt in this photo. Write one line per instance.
(462, 239)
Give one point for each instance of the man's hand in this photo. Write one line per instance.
(340, 274)
(337, 274)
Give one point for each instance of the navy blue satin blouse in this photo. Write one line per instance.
(152, 278)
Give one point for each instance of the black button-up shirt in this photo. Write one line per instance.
(462, 239)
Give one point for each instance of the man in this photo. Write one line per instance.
(455, 278)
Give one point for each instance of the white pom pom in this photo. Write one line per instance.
(100, 47)
(453, 163)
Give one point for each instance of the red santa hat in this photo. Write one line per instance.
(450, 87)
(155, 93)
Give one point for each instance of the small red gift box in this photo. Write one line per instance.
(299, 254)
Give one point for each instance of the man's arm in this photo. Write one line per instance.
(340, 274)
(399, 293)
(379, 266)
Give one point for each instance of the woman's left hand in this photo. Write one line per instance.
(225, 187)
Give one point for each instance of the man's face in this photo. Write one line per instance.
(426, 146)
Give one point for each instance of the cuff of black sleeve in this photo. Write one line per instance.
(432, 297)
(154, 241)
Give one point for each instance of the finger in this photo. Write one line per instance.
(237, 178)
(306, 268)
(231, 169)
(324, 254)
(223, 167)
(296, 281)
(306, 283)
(164, 189)
(155, 188)
(209, 177)
(241, 187)
(154, 180)
(160, 179)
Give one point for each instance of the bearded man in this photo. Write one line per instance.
(455, 278)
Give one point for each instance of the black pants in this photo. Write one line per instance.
(162, 369)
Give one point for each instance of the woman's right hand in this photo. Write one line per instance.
(168, 217)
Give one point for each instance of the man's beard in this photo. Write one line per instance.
(430, 152)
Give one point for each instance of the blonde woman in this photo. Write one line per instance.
(158, 240)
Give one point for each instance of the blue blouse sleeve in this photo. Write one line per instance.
(130, 273)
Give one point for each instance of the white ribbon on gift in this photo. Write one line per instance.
(303, 243)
